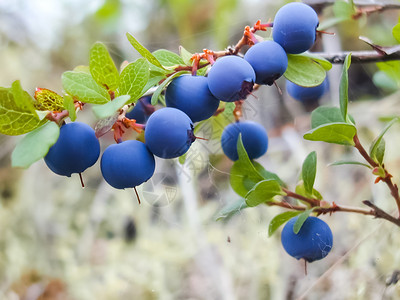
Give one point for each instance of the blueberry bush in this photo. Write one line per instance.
(166, 98)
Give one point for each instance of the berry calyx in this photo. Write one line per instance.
(231, 78)
(313, 241)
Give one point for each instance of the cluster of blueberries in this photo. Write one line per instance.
(169, 131)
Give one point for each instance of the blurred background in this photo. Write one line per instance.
(59, 241)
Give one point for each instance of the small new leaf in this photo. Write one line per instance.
(300, 220)
(336, 133)
(35, 145)
(69, 105)
(281, 219)
(134, 78)
(109, 109)
(186, 56)
(84, 88)
(344, 87)
(309, 171)
(143, 51)
(304, 71)
(264, 191)
(377, 149)
(102, 67)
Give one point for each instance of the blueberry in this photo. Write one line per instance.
(313, 241)
(231, 78)
(269, 61)
(191, 95)
(76, 149)
(295, 26)
(142, 110)
(127, 164)
(254, 137)
(305, 94)
(169, 133)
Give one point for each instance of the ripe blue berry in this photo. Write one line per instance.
(295, 26)
(169, 133)
(142, 110)
(313, 241)
(254, 137)
(76, 149)
(191, 95)
(305, 94)
(127, 164)
(231, 78)
(269, 61)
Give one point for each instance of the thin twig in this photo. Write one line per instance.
(393, 53)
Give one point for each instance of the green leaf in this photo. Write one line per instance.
(185, 55)
(47, 100)
(349, 162)
(109, 109)
(322, 61)
(231, 209)
(21, 98)
(336, 133)
(143, 51)
(304, 71)
(264, 191)
(325, 115)
(69, 105)
(344, 87)
(328, 23)
(35, 145)
(301, 190)
(229, 108)
(309, 171)
(102, 67)
(391, 69)
(244, 174)
(153, 80)
(134, 78)
(396, 32)
(83, 87)
(163, 85)
(377, 149)
(281, 219)
(17, 114)
(343, 9)
(168, 58)
(383, 81)
(300, 220)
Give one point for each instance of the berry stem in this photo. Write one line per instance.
(81, 178)
(394, 190)
(137, 194)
